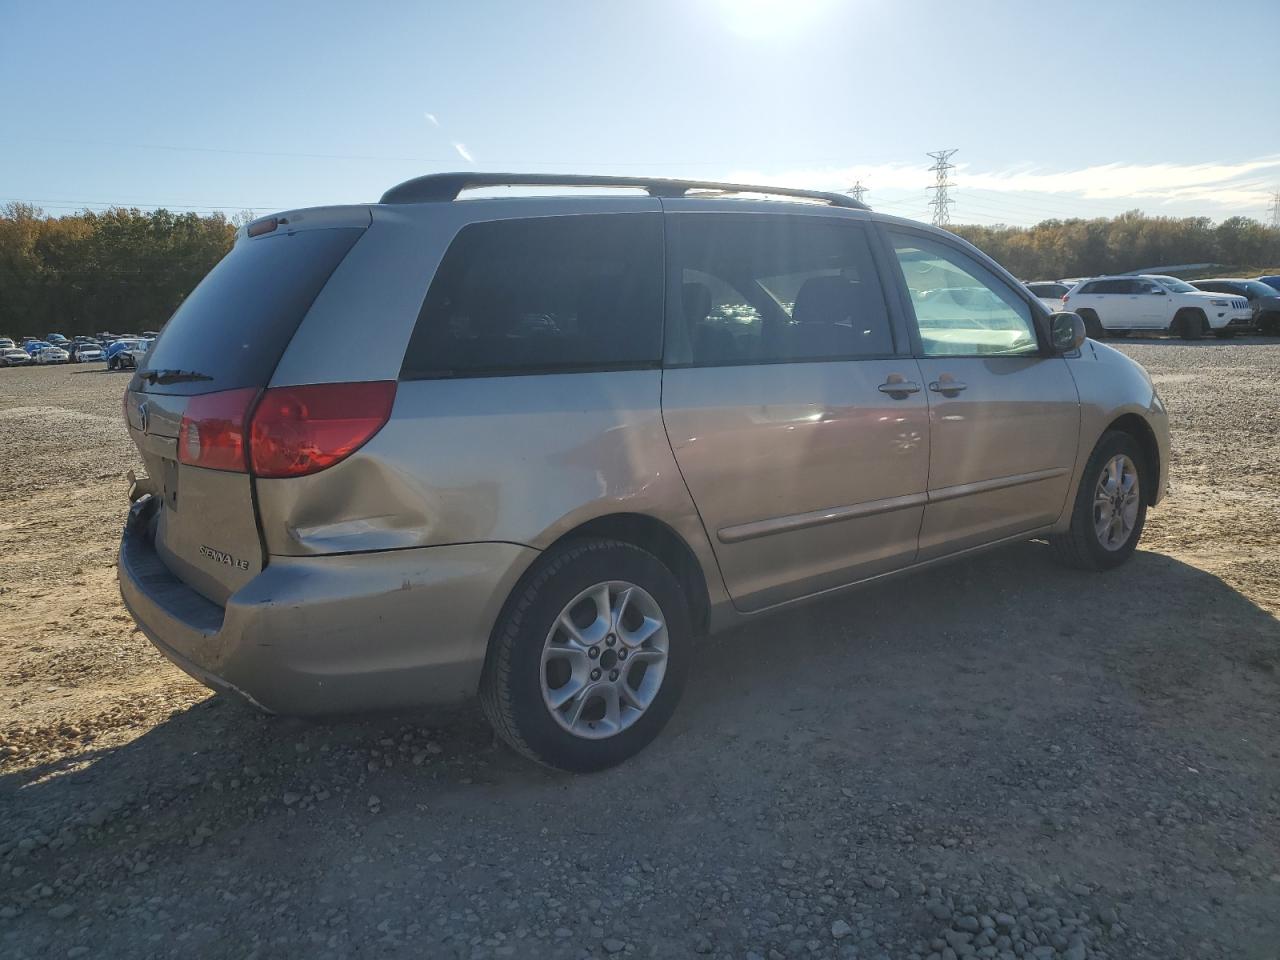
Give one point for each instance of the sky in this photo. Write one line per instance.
(1054, 109)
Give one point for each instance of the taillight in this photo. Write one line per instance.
(212, 433)
(300, 430)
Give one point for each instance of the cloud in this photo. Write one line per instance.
(431, 119)
(463, 152)
(1244, 185)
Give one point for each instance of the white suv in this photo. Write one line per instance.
(1150, 302)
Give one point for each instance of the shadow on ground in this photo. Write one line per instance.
(1002, 714)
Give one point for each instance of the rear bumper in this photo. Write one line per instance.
(333, 634)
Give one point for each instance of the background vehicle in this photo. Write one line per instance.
(52, 354)
(647, 403)
(115, 353)
(86, 352)
(1156, 303)
(1264, 300)
(35, 347)
(57, 339)
(1271, 281)
(14, 357)
(6, 343)
(1049, 292)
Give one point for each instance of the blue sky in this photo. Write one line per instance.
(1055, 109)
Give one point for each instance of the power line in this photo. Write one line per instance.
(1275, 210)
(858, 191)
(941, 201)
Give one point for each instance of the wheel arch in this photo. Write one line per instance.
(658, 538)
(1145, 437)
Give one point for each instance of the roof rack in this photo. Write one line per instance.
(447, 186)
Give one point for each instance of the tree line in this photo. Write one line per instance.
(1132, 241)
(120, 270)
(126, 270)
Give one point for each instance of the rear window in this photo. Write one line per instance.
(235, 325)
(571, 293)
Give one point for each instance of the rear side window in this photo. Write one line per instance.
(543, 294)
(235, 325)
(769, 289)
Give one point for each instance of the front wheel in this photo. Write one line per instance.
(1191, 326)
(1110, 508)
(1092, 325)
(588, 659)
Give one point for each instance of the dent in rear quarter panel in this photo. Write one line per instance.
(520, 459)
(1110, 386)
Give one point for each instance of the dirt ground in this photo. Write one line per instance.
(998, 758)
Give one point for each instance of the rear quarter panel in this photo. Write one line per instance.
(519, 459)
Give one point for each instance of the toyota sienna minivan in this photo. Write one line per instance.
(594, 429)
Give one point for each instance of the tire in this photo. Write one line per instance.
(1081, 546)
(111, 363)
(1092, 325)
(517, 677)
(1190, 325)
(1269, 324)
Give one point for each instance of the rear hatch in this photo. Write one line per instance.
(218, 352)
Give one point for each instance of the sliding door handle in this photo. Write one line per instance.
(898, 389)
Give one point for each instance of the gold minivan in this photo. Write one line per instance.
(532, 447)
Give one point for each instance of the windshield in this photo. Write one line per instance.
(1176, 285)
(1256, 288)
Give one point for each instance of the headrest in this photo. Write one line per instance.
(825, 300)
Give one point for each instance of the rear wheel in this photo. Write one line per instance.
(588, 660)
(1190, 325)
(1092, 325)
(1110, 508)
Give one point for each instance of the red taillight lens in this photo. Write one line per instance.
(213, 429)
(300, 430)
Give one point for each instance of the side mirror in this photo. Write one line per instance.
(1066, 332)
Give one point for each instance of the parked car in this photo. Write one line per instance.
(550, 513)
(1273, 282)
(34, 347)
(1156, 303)
(1049, 292)
(116, 350)
(52, 354)
(6, 343)
(14, 357)
(56, 338)
(86, 353)
(1264, 300)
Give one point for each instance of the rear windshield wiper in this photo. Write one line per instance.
(173, 376)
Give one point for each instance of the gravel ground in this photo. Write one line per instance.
(997, 759)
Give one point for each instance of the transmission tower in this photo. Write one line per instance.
(941, 201)
(1275, 210)
(858, 192)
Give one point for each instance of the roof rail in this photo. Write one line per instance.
(447, 186)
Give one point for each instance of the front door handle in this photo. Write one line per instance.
(947, 387)
(898, 389)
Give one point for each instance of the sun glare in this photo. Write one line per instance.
(770, 18)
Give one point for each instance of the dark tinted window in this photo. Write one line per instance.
(1047, 290)
(1110, 286)
(764, 289)
(235, 325)
(547, 293)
